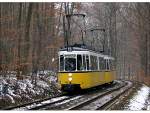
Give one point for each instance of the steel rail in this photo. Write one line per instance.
(50, 103)
(108, 104)
(94, 98)
(34, 102)
(66, 103)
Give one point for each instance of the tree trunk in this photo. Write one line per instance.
(27, 66)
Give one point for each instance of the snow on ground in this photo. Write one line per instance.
(139, 101)
(148, 107)
(42, 84)
(13, 91)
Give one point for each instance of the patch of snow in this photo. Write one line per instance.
(148, 107)
(68, 100)
(42, 84)
(13, 90)
(10, 98)
(38, 91)
(1, 88)
(31, 91)
(138, 102)
(27, 97)
(22, 86)
(55, 99)
(4, 82)
(47, 101)
(45, 72)
(53, 78)
(28, 82)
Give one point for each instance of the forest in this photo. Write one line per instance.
(31, 35)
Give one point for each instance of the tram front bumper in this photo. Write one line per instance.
(70, 87)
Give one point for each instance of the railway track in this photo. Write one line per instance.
(53, 102)
(30, 104)
(102, 100)
(77, 103)
(93, 100)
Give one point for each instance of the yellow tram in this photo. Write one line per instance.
(81, 68)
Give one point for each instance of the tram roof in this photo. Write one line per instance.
(76, 50)
(79, 47)
(82, 50)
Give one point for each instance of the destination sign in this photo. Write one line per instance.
(70, 56)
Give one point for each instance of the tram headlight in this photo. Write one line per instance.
(70, 74)
(70, 79)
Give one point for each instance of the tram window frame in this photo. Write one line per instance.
(63, 69)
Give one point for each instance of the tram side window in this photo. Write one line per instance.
(79, 62)
(101, 64)
(87, 62)
(107, 65)
(61, 63)
(104, 64)
(110, 64)
(94, 63)
(113, 64)
(84, 62)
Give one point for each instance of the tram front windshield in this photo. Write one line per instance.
(70, 64)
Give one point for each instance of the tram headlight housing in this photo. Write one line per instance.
(70, 79)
